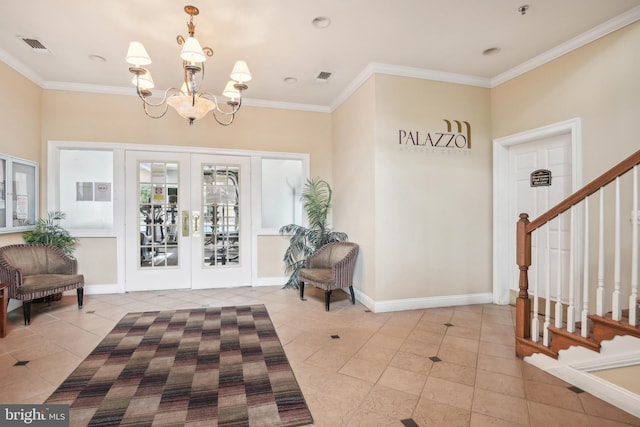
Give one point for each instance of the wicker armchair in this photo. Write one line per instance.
(37, 271)
(330, 267)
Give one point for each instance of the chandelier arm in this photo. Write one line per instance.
(162, 105)
(142, 95)
(153, 116)
(233, 116)
(236, 105)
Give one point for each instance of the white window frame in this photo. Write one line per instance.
(8, 193)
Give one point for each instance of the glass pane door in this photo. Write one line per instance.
(157, 204)
(221, 213)
(221, 199)
(157, 221)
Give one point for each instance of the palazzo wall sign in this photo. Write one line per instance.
(456, 137)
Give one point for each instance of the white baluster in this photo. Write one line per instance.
(571, 309)
(633, 298)
(616, 299)
(535, 323)
(559, 277)
(600, 294)
(584, 328)
(547, 301)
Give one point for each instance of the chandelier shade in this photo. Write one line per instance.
(192, 51)
(137, 55)
(240, 72)
(188, 101)
(189, 107)
(144, 81)
(230, 91)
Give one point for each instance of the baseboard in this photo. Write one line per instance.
(419, 303)
(101, 289)
(270, 281)
(604, 390)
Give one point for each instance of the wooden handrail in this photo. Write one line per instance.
(523, 246)
(604, 179)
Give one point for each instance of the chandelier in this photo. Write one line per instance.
(189, 101)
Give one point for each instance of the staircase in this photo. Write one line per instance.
(590, 279)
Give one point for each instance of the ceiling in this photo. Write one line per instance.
(442, 39)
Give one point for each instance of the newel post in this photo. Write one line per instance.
(523, 259)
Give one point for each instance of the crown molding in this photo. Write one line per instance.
(89, 88)
(113, 90)
(440, 76)
(371, 69)
(400, 71)
(285, 105)
(587, 37)
(25, 71)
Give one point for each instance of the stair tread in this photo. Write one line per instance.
(575, 336)
(577, 333)
(620, 325)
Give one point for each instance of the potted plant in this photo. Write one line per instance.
(49, 231)
(304, 241)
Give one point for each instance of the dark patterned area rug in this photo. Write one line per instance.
(202, 367)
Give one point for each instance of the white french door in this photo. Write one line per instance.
(187, 221)
(221, 221)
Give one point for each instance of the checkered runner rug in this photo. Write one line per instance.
(202, 367)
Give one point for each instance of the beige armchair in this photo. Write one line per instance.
(331, 267)
(37, 271)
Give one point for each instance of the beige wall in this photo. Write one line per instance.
(75, 116)
(433, 208)
(20, 122)
(270, 252)
(598, 83)
(410, 211)
(423, 219)
(72, 116)
(354, 191)
(96, 260)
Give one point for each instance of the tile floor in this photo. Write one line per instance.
(435, 367)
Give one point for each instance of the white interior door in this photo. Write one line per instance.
(157, 246)
(188, 221)
(221, 221)
(553, 154)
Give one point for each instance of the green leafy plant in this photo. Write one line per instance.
(316, 200)
(49, 231)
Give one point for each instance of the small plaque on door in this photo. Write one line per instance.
(541, 178)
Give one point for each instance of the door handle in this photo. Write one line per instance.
(196, 223)
(185, 223)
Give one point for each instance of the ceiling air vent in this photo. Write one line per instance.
(35, 45)
(323, 76)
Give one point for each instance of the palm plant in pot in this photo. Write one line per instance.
(49, 231)
(304, 241)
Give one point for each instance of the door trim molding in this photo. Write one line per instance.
(118, 232)
(501, 222)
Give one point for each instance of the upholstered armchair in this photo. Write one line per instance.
(37, 271)
(330, 267)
